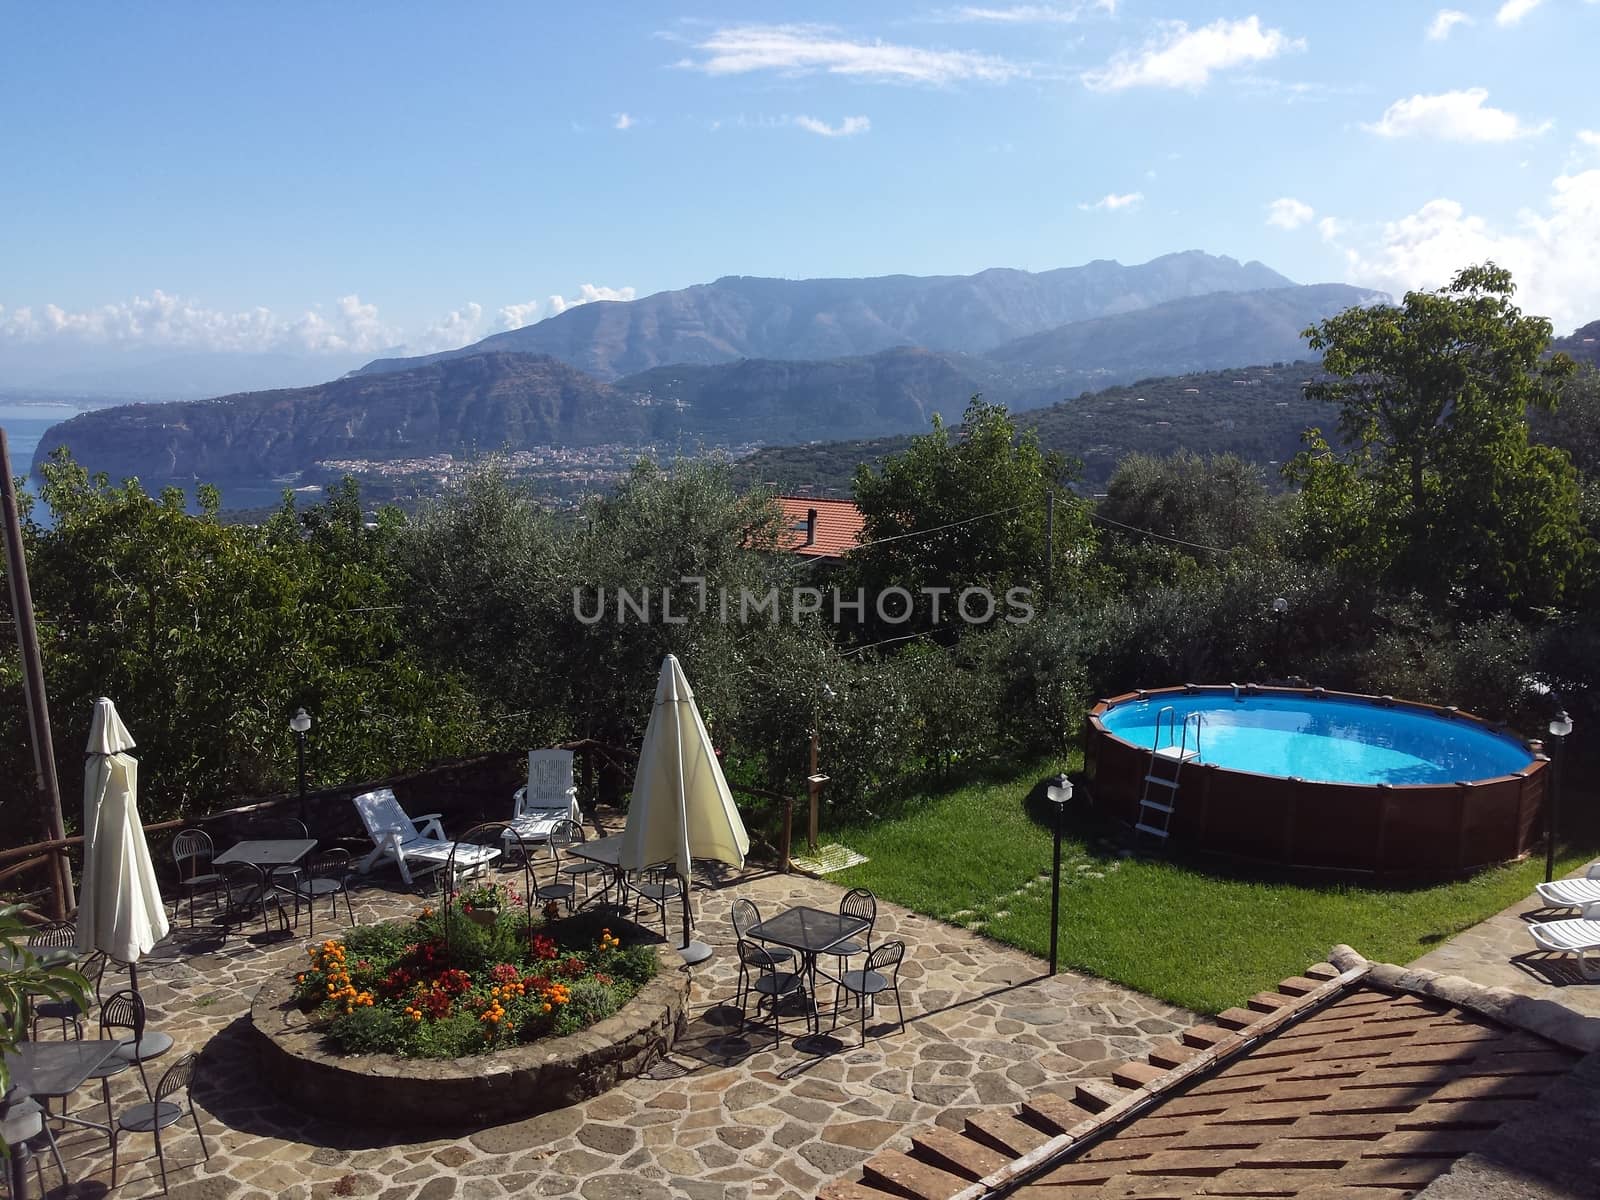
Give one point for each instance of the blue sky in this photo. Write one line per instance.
(338, 179)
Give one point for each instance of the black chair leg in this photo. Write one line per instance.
(161, 1160)
(204, 1149)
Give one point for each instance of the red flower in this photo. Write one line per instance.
(454, 981)
(544, 947)
(505, 973)
(573, 967)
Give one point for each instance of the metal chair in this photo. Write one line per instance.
(192, 851)
(582, 869)
(746, 916)
(62, 935)
(125, 1010)
(326, 875)
(161, 1113)
(857, 902)
(658, 886)
(246, 887)
(772, 986)
(870, 981)
(562, 834)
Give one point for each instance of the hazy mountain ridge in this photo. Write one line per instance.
(805, 319)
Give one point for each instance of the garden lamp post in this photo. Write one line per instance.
(1560, 727)
(1059, 792)
(1280, 606)
(300, 723)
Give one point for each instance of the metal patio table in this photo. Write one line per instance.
(48, 1071)
(810, 932)
(268, 856)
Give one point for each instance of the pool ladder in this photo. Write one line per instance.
(1166, 768)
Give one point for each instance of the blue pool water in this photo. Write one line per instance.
(1328, 740)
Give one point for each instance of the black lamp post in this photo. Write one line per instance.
(1560, 727)
(300, 723)
(1059, 792)
(1280, 606)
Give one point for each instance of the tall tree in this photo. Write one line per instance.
(1436, 487)
(984, 492)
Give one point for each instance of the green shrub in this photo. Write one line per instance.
(368, 1031)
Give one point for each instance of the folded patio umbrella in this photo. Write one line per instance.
(682, 808)
(120, 911)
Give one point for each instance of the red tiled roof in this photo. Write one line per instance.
(1334, 1087)
(838, 526)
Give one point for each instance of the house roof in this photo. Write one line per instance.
(1362, 1082)
(838, 526)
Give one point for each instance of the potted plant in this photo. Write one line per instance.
(482, 902)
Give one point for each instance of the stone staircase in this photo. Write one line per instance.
(999, 1148)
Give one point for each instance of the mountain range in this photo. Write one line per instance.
(496, 394)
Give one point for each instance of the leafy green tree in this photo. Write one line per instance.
(984, 492)
(1436, 486)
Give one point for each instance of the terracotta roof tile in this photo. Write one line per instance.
(1370, 1096)
(838, 526)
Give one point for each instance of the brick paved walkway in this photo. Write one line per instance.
(714, 1121)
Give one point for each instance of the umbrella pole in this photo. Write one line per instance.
(691, 950)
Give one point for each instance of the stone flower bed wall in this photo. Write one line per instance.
(502, 1085)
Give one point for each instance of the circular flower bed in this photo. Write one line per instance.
(480, 975)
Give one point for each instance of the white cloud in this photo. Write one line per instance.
(1112, 202)
(1513, 11)
(1550, 252)
(174, 322)
(1289, 213)
(1444, 21)
(804, 49)
(845, 128)
(1453, 116)
(623, 121)
(1589, 138)
(515, 316)
(459, 328)
(1031, 14)
(587, 294)
(1331, 228)
(1186, 58)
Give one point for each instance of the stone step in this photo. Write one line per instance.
(1322, 971)
(1237, 1018)
(1054, 1114)
(1266, 1002)
(1205, 1036)
(1298, 985)
(1097, 1095)
(1005, 1133)
(1135, 1073)
(901, 1175)
(1171, 1054)
(956, 1153)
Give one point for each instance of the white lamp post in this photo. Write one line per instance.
(1059, 792)
(1560, 727)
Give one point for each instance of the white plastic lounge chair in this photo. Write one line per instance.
(419, 843)
(1572, 893)
(549, 796)
(1578, 936)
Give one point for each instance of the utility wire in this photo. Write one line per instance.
(1162, 536)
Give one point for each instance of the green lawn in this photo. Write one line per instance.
(1196, 933)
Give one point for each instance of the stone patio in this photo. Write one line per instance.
(1500, 952)
(719, 1119)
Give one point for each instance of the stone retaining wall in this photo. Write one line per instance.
(485, 1089)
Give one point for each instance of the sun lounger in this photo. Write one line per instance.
(1572, 893)
(1578, 936)
(417, 844)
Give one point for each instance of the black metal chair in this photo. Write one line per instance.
(326, 875)
(746, 916)
(657, 886)
(246, 889)
(161, 1113)
(63, 935)
(562, 835)
(857, 902)
(125, 1010)
(772, 986)
(871, 980)
(192, 851)
(576, 870)
(120, 1011)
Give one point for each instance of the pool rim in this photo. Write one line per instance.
(1534, 748)
(1395, 831)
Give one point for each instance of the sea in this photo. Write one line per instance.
(25, 424)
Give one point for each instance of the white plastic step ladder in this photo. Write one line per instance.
(1166, 768)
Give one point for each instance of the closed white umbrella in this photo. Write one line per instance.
(120, 911)
(681, 807)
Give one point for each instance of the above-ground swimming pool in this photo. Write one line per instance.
(1322, 779)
